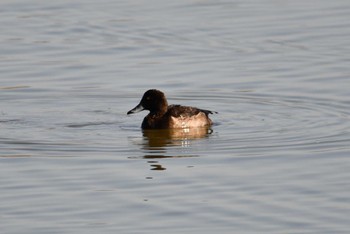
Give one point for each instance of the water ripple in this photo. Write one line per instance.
(259, 123)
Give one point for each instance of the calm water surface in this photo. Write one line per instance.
(275, 161)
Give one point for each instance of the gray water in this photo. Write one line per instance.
(275, 161)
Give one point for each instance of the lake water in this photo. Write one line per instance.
(277, 159)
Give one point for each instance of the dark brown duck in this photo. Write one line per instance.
(162, 115)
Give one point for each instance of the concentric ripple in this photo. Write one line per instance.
(270, 123)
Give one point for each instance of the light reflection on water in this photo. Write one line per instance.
(275, 160)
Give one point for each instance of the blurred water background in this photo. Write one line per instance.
(275, 161)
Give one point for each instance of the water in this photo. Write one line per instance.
(275, 161)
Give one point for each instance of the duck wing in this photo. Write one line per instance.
(178, 110)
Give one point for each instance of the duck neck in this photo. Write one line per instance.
(164, 108)
(161, 110)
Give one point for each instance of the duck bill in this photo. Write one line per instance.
(138, 108)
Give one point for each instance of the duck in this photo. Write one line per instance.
(164, 116)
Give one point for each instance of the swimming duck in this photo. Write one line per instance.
(163, 116)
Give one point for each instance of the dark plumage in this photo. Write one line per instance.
(174, 116)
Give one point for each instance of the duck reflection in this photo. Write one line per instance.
(156, 142)
(160, 138)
